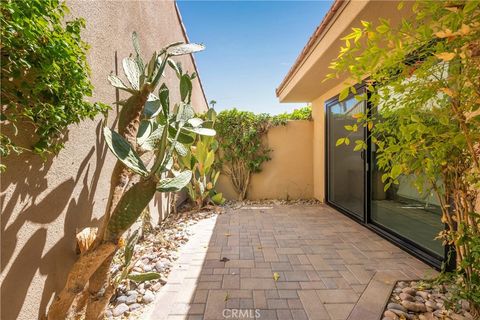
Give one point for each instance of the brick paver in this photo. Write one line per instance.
(327, 267)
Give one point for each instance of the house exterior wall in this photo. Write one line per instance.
(289, 174)
(44, 203)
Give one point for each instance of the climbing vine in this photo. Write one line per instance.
(242, 145)
(44, 75)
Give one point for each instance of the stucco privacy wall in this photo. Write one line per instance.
(43, 203)
(289, 174)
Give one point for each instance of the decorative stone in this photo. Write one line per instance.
(390, 315)
(430, 304)
(160, 266)
(406, 297)
(132, 298)
(427, 316)
(134, 306)
(396, 306)
(401, 314)
(414, 306)
(423, 294)
(465, 305)
(148, 297)
(409, 291)
(147, 267)
(120, 309)
(121, 299)
(156, 286)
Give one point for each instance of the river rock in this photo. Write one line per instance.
(390, 315)
(423, 294)
(414, 306)
(431, 305)
(406, 297)
(121, 299)
(148, 297)
(427, 316)
(131, 299)
(134, 306)
(396, 306)
(409, 291)
(401, 314)
(120, 309)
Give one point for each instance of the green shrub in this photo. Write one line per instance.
(45, 75)
(242, 146)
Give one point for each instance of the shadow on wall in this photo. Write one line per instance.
(28, 181)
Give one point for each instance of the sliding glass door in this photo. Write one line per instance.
(345, 167)
(402, 214)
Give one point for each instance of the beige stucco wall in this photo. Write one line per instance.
(289, 175)
(43, 203)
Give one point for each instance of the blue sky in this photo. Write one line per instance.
(251, 45)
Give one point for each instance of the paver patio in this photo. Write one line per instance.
(329, 267)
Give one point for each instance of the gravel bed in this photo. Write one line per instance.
(424, 301)
(155, 252)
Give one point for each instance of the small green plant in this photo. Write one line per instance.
(44, 75)
(149, 128)
(200, 160)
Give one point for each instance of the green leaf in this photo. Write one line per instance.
(344, 93)
(124, 152)
(470, 6)
(218, 198)
(183, 137)
(118, 83)
(180, 149)
(176, 183)
(132, 72)
(175, 66)
(150, 139)
(202, 131)
(340, 142)
(195, 122)
(164, 94)
(383, 28)
(141, 277)
(130, 246)
(396, 171)
(185, 87)
(184, 48)
(185, 112)
(152, 107)
(144, 131)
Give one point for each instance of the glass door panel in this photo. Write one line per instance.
(345, 167)
(406, 212)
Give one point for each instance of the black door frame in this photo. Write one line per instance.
(328, 104)
(407, 245)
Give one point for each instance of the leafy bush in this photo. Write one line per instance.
(424, 88)
(242, 146)
(45, 75)
(304, 113)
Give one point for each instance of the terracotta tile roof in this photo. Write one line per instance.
(310, 44)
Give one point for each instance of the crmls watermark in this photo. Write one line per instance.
(241, 313)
